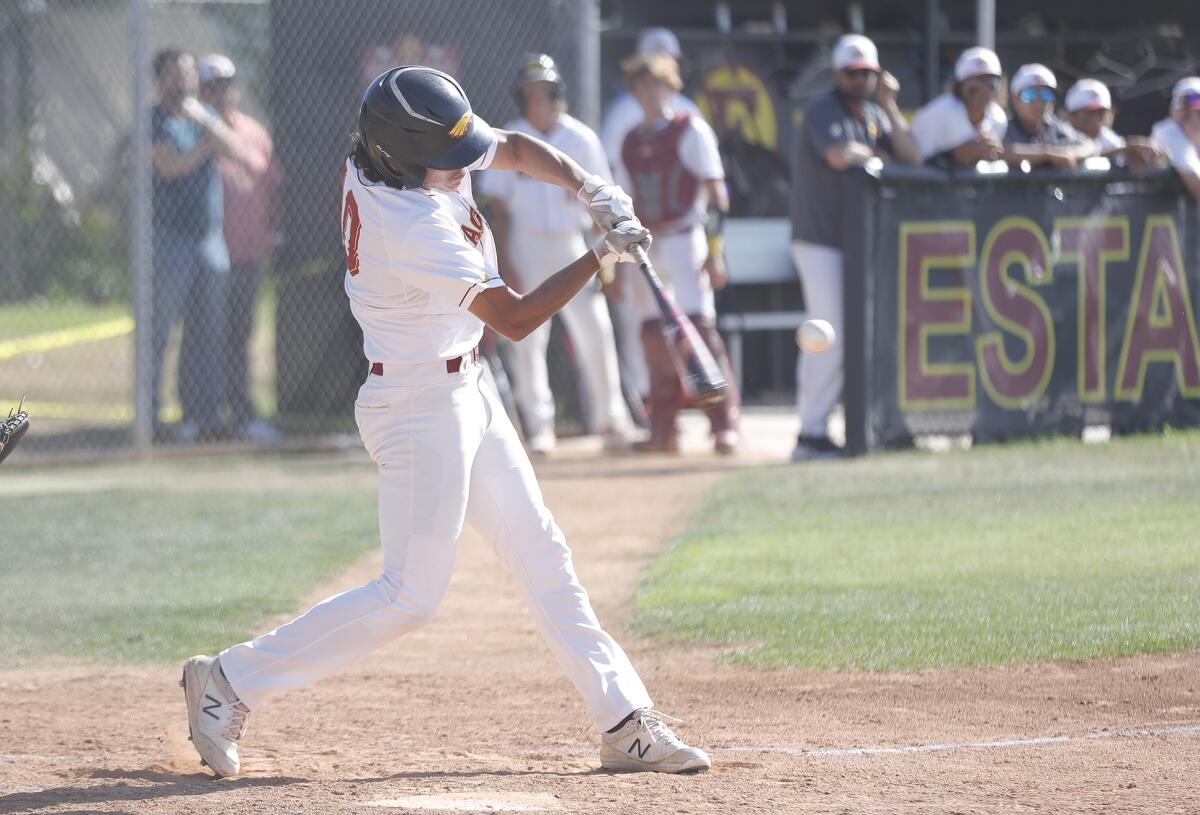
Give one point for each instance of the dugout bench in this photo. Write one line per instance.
(757, 252)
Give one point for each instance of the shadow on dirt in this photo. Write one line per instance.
(161, 785)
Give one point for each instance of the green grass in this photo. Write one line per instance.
(1028, 552)
(154, 562)
(24, 319)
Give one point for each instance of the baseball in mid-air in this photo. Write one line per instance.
(815, 336)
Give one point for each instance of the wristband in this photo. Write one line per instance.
(716, 245)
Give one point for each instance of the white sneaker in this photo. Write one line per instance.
(645, 743)
(542, 443)
(620, 440)
(216, 717)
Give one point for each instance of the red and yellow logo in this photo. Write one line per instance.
(460, 127)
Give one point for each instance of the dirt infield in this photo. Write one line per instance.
(470, 713)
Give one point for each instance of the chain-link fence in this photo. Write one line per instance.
(170, 258)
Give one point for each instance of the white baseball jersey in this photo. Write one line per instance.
(625, 113)
(700, 156)
(416, 259)
(1168, 135)
(538, 207)
(943, 124)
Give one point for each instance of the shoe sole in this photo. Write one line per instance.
(693, 767)
(192, 705)
(615, 761)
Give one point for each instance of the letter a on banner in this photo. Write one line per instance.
(1161, 326)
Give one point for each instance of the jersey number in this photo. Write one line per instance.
(351, 228)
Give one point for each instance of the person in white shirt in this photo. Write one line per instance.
(1179, 133)
(422, 279)
(1036, 137)
(622, 115)
(672, 166)
(965, 125)
(1089, 110)
(539, 228)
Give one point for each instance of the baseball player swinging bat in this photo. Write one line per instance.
(701, 376)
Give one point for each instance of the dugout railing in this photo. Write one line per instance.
(1005, 306)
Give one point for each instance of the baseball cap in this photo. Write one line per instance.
(658, 41)
(1033, 75)
(1088, 94)
(855, 51)
(215, 66)
(1189, 86)
(976, 61)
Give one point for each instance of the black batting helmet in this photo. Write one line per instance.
(413, 118)
(537, 67)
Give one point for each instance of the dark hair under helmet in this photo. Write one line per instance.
(413, 118)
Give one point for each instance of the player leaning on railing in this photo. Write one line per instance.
(422, 282)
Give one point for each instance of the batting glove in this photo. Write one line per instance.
(615, 246)
(606, 203)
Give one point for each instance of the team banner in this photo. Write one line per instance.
(1024, 306)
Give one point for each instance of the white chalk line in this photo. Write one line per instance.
(998, 744)
(1132, 733)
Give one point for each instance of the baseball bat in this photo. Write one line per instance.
(698, 370)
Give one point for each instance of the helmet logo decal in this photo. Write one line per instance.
(460, 127)
(400, 96)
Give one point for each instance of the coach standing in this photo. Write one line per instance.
(841, 130)
(191, 262)
(539, 229)
(249, 185)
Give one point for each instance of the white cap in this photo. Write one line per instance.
(976, 61)
(1033, 75)
(1088, 94)
(658, 41)
(215, 66)
(855, 51)
(1184, 87)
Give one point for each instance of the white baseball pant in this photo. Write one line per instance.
(819, 376)
(446, 452)
(678, 258)
(535, 257)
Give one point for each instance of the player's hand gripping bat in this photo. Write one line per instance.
(701, 376)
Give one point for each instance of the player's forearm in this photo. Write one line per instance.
(535, 158)
(903, 143)
(516, 316)
(170, 163)
(850, 154)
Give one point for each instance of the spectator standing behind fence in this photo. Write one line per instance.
(1179, 133)
(538, 230)
(249, 184)
(841, 129)
(1035, 136)
(191, 263)
(623, 115)
(965, 125)
(671, 166)
(1089, 111)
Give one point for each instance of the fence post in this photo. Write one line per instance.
(859, 200)
(140, 232)
(588, 101)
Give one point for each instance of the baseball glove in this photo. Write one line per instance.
(12, 430)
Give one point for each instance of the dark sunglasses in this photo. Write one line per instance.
(1034, 94)
(1191, 101)
(858, 73)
